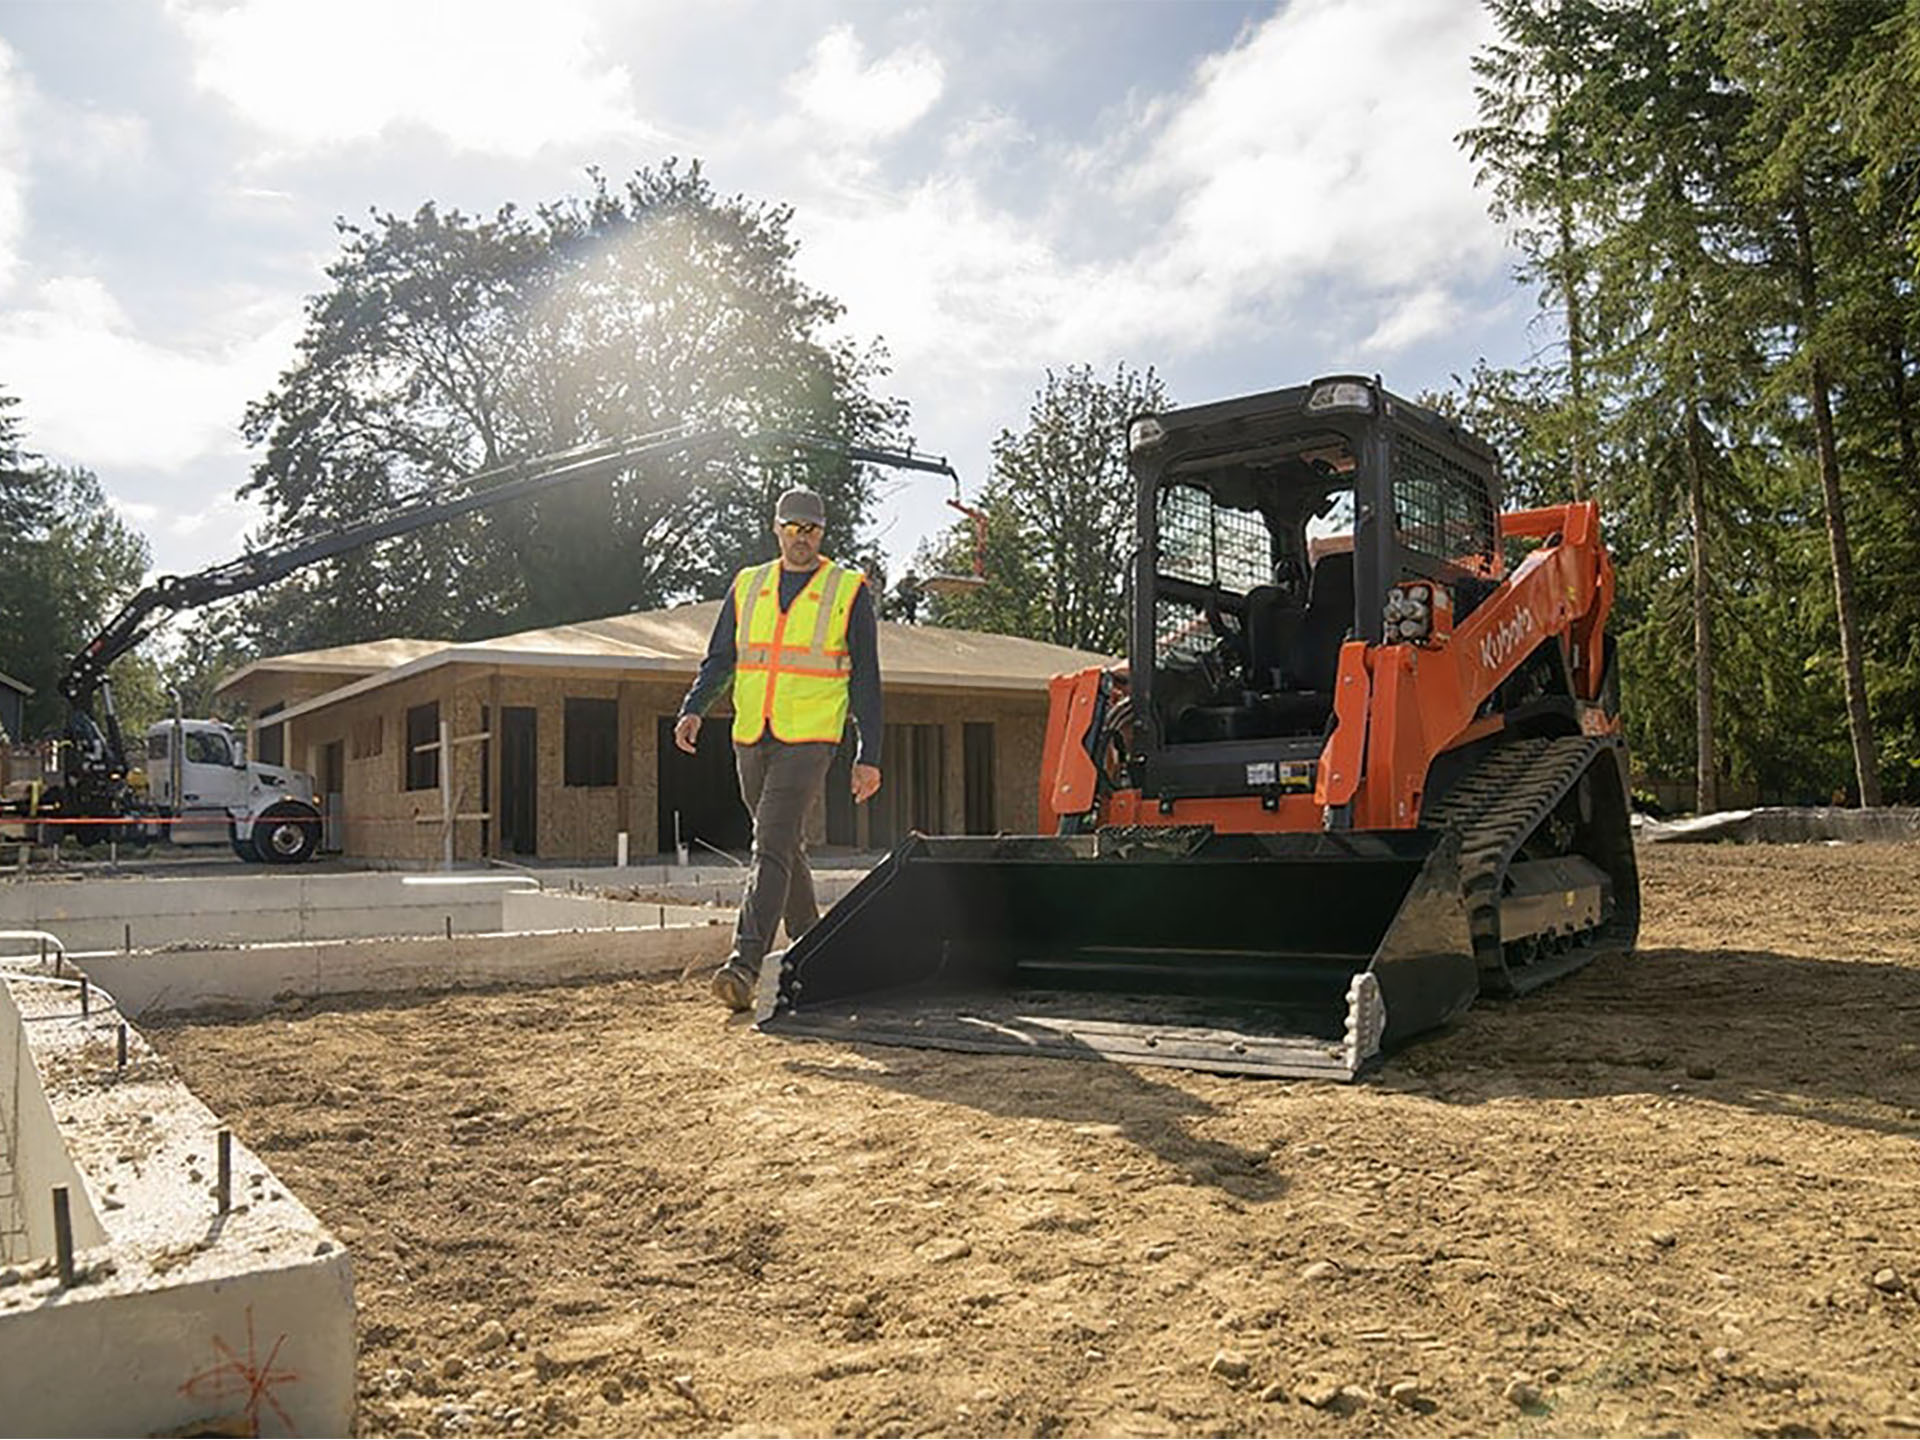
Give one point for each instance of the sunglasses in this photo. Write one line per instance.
(799, 527)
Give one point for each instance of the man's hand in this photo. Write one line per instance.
(866, 782)
(686, 733)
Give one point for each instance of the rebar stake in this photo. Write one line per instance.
(449, 927)
(86, 997)
(126, 942)
(63, 1236)
(120, 1058)
(225, 1192)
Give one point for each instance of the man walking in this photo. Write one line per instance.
(797, 643)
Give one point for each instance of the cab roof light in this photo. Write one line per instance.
(1340, 395)
(1145, 433)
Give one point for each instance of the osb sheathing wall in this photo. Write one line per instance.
(385, 821)
(283, 688)
(1019, 721)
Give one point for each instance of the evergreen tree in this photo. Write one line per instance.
(67, 561)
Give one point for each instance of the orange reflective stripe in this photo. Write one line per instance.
(773, 671)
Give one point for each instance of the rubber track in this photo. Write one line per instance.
(1495, 808)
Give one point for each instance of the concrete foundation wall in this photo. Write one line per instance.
(33, 1157)
(253, 905)
(1784, 825)
(633, 896)
(182, 1318)
(254, 977)
(184, 1360)
(537, 911)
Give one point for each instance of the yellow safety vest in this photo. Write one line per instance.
(790, 667)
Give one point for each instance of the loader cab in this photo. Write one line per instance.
(1270, 530)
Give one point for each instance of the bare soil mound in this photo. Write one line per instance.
(1675, 1194)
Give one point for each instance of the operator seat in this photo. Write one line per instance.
(1273, 630)
(1315, 656)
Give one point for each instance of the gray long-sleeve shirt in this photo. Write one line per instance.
(863, 651)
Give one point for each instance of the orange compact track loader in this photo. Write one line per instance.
(1364, 765)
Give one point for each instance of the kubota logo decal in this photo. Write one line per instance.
(1498, 646)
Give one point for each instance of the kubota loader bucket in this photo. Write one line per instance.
(1291, 954)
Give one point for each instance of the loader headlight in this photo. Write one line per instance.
(1409, 612)
(1144, 434)
(1418, 610)
(1340, 395)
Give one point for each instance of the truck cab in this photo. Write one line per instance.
(203, 785)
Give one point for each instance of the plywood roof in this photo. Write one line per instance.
(671, 643)
(367, 658)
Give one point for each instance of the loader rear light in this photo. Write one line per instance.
(1340, 395)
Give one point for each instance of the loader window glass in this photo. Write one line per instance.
(1338, 519)
(1215, 548)
(1211, 544)
(1441, 508)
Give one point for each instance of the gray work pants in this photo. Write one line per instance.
(781, 784)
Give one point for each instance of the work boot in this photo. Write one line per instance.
(733, 984)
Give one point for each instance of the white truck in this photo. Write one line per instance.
(208, 793)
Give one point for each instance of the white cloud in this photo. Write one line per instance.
(13, 164)
(223, 523)
(1306, 183)
(488, 75)
(136, 512)
(93, 142)
(1410, 318)
(861, 103)
(94, 392)
(1300, 200)
(985, 138)
(1322, 149)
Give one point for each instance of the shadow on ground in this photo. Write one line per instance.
(1149, 1112)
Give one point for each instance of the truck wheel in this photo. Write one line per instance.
(286, 835)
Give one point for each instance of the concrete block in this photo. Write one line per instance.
(253, 906)
(182, 1318)
(253, 978)
(1787, 825)
(547, 910)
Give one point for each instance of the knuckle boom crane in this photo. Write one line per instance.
(271, 811)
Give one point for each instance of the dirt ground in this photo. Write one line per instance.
(1676, 1194)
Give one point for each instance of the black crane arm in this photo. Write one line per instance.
(170, 594)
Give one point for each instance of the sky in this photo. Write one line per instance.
(1240, 195)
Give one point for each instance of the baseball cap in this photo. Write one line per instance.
(801, 505)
